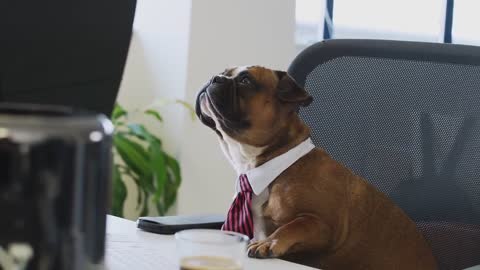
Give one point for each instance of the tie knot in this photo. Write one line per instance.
(244, 184)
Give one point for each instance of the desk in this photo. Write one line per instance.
(128, 248)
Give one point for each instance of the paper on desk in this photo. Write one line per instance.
(124, 252)
(127, 252)
(113, 239)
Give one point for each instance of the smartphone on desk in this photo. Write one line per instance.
(173, 224)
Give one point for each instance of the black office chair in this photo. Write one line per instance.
(405, 116)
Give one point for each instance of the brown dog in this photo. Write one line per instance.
(317, 212)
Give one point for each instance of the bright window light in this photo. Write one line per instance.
(309, 20)
(466, 22)
(379, 19)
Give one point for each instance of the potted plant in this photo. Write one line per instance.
(139, 155)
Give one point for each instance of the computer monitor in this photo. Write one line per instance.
(69, 53)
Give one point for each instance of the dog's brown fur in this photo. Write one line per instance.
(318, 212)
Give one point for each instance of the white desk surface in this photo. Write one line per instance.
(128, 248)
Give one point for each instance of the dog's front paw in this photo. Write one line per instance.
(268, 248)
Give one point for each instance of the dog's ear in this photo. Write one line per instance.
(289, 91)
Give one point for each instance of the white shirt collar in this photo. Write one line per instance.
(261, 176)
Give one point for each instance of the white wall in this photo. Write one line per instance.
(156, 68)
(226, 33)
(177, 46)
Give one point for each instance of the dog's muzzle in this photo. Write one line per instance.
(223, 102)
(202, 113)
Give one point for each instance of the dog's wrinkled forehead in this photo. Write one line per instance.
(264, 76)
(234, 71)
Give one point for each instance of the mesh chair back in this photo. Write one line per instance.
(405, 116)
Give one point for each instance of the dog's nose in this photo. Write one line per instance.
(219, 79)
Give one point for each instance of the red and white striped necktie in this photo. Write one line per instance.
(239, 218)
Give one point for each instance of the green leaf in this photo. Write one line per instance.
(174, 180)
(163, 102)
(139, 197)
(170, 195)
(119, 193)
(159, 168)
(175, 168)
(140, 132)
(187, 106)
(155, 114)
(156, 139)
(171, 200)
(139, 188)
(147, 183)
(160, 102)
(156, 174)
(118, 111)
(160, 208)
(145, 204)
(133, 154)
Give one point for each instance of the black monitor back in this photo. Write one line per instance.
(64, 52)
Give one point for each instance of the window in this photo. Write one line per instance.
(466, 22)
(379, 19)
(400, 20)
(309, 16)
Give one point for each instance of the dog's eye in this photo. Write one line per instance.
(245, 80)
